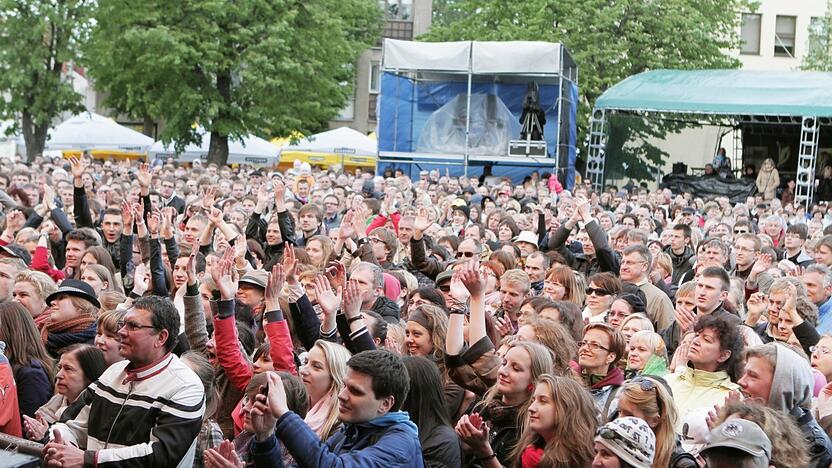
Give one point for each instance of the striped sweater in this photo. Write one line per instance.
(142, 417)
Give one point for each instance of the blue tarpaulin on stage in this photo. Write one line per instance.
(406, 105)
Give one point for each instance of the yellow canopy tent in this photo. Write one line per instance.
(343, 146)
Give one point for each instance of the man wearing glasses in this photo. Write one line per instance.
(169, 196)
(796, 236)
(635, 269)
(144, 411)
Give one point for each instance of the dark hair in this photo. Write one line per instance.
(801, 229)
(425, 401)
(90, 358)
(729, 340)
(163, 316)
(390, 377)
(200, 260)
(430, 295)
(683, 227)
(379, 329)
(453, 240)
(570, 317)
(82, 235)
(631, 216)
(718, 272)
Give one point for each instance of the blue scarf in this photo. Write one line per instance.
(391, 418)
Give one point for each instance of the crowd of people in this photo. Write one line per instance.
(163, 315)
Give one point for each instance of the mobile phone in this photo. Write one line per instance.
(264, 390)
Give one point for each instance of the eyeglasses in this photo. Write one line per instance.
(132, 326)
(597, 291)
(819, 349)
(466, 254)
(592, 345)
(375, 239)
(445, 288)
(740, 231)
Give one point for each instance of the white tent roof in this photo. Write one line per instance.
(342, 140)
(510, 58)
(90, 131)
(251, 150)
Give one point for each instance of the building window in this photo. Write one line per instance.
(750, 33)
(371, 107)
(784, 32)
(397, 9)
(375, 77)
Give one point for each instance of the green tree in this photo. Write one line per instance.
(39, 40)
(819, 51)
(611, 41)
(263, 67)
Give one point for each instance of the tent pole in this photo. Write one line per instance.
(468, 115)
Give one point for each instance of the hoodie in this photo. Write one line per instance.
(791, 393)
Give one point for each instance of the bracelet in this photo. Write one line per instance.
(493, 455)
(458, 310)
(357, 317)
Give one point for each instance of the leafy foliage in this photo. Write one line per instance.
(611, 40)
(819, 54)
(263, 67)
(39, 39)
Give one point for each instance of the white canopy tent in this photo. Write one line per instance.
(251, 150)
(342, 140)
(546, 61)
(90, 131)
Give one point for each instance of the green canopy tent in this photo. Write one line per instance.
(720, 97)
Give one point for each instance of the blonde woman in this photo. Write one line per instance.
(647, 355)
(647, 399)
(768, 180)
(323, 376)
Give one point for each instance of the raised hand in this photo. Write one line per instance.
(166, 228)
(279, 194)
(144, 176)
(504, 326)
(153, 222)
(276, 398)
(757, 306)
(458, 290)
(762, 264)
(48, 196)
(289, 263)
(473, 279)
(274, 286)
(346, 231)
(263, 196)
(126, 213)
(582, 208)
(141, 282)
(209, 198)
(329, 300)
(336, 274)
(214, 215)
(225, 276)
(351, 304)
(15, 221)
(685, 319)
(190, 267)
(78, 166)
(240, 246)
(422, 221)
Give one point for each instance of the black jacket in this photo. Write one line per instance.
(820, 447)
(605, 258)
(681, 263)
(388, 309)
